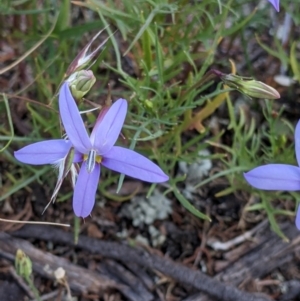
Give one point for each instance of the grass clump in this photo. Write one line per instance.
(159, 56)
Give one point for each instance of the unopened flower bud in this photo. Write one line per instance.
(148, 103)
(23, 264)
(249, 86)
(81, 82)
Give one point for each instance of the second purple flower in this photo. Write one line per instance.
(278, 176)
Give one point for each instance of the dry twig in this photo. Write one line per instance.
(125, 253)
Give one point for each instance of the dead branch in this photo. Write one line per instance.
(267, 253)
(125, 253)
(80, 279)
(260, 256)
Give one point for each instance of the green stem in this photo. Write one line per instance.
(76, 229)
(33, 288)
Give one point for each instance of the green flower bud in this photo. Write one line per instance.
(148, 104)
(23, 264)
(249, 86)
(81, 82)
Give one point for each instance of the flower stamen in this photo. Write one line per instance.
(91, 159)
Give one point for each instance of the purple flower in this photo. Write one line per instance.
(275, 3)
(93, 151)
(278, 176)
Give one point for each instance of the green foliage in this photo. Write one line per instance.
(160, 51)
(255, 145)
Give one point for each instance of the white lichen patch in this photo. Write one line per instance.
(145, 211)
(157, 237)
(141, 240)
(197, 170)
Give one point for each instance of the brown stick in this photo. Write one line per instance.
(80, 279)
(265, 255)
(257, 258)
(125, 253)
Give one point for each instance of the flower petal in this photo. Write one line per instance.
(274, 177)
(44, 152)
(132, 164)
(78, 157)
(85, 190)
(107, 131)
(275, 3)
(297, 142)
(72, 120)
(298, 218)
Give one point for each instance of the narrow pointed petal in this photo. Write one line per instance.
(72, 120)
(132, 164)
(274, 177)
(83, 59)
(44, 152)
(64, 167)
(297, 142)
(275, 3)
(106, 132)
(85, 191)
(298, 218)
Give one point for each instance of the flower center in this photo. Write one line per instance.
(91, 159)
